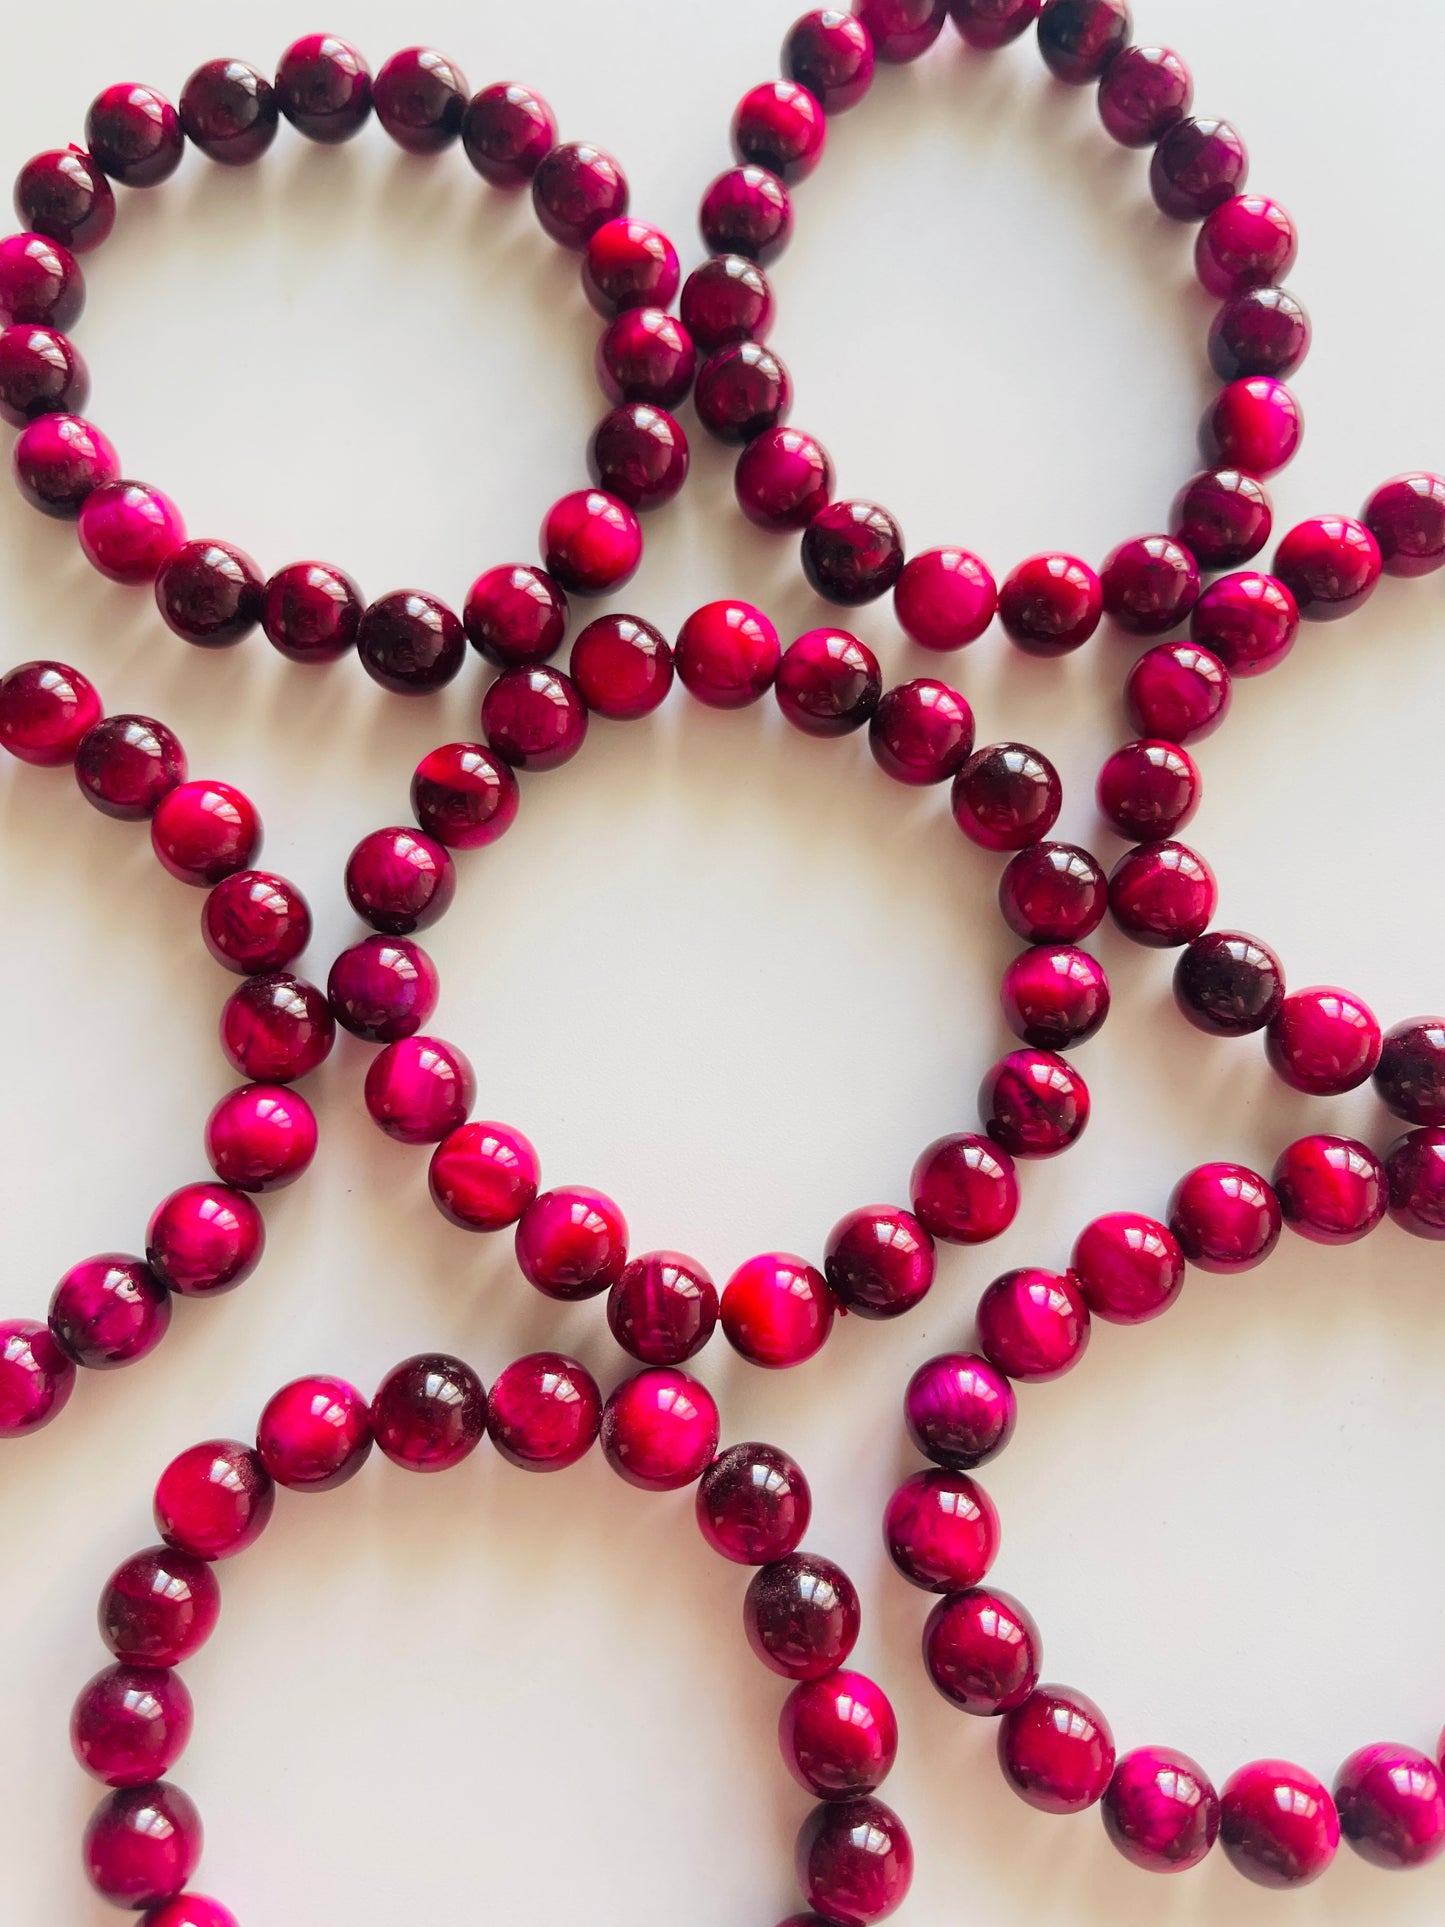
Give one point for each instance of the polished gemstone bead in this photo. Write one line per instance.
(902, 29)
(1330, 566)
(314, 1434)
(662, 1308)
(36, 1377)
(1410, 1074)
(1323, 1041)
(159, 1607)
(109, 1311)
(1228, 984)
(987, 24)
(383, 988)
(59, 461)
(211, 1502)
(323, 87)
(1148, 789)
(660, 1430)
(253, 921)
(852, 552)
(639, 454)
(1277, 1824)
(128, 529)
(131, 1724)
(484, 1176)
(1415, 1167)
(1223, 518)
(203, 831)
(261, 1137)
(828, 683)
(1054, 996)
(941, 1530)
(753, 1504)
(572, 1243)
(1197, 165)
(1149, 585)
(430, 1412)
(1332, 1190)
(63, 195)
(419, 1089)
(1391, 1805)
(577, 189)
(981, 1649)
(743, 390)
(229, 111)
(41, 373)
(1178, 691)
(1264, 331)
(1128, 1268)
(1079, 39)
(1246, 242)
(1006, 796)
(276, 1028)
(1050, 604)
(777, 1310)
(400, 880)
(1249, 621)
(463, 796)
(47, 710)
(125, 766)
(515, 615)
(945, 598)
(204, 1238)
(727, 654)
(854, 1860)
(645, 354)
(1034, 1104)
(1056, 1750)
(1033, 1325)
(134, 134)
(191, 1910)
(410, 643)
(780, 125)
(964, 1189)
(534, 719)
(725, 300)
(311, 612)
(629, 265)
(838, 1735)
(746, 211)
(831, 54)
(921, 732)
(591, 542)
(1225, 1217)
(802, 1616)
(1254, 424)
(960, 1410)
(783, 480)
(507, 132)
(879, 1261)
(420, 97)
(1160, 1810)
(1406, 516)
(142, 1844)
(622, 666)
(209, 592)
(1162, 894)
(1144, 92)
(1053, 893)
(544, 1412)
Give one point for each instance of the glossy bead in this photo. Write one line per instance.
(254, 921)
(988, 24)
(229, 111)
(1330, 566)
(383, 988)
(63, 195)
(1249, 621)
(1410, 1074)
(1225, 1217)
(964, 1189)
(261, 1137)
(629, 265)
(960, 1411)
(400, 880)
(854, 1860)
(464, 797)
(879, 1261)
(852, 552)
(131, 1724)
(743, 390)
(577, 189)
(727, 654)
(746, 211)
(203, 831)
(591, 542)
(191, 1910)
(204, 1238)
(1056, 1750)
(36, 1377)
(410, 643)
(1149, 585)
(323, 87)
(276, 1028)
(1128, 1268)
(544, 1412)
(311, 612)
(831, 54)
(1415, 1167)
(753, 1504)
(1254, 424)
(1406, 516)
(1033, 1104)
(981, 1649)
(1006, 796)
(660, 1430)
(645, 354)
(780, 125)
(662, 1308)
(46, 711)
(515, 615)
(159, 1607)
(60, 460)
(1197, 165)
(1323, 1041)
(941, 1530)
(1148, 790)
(1053, 893)
(420, 97)
(1177, 691)
(212, 1502)
(419, 1089)
(1050, 604)
(142, 1844)
(945, 598)
(639, 454)
(1160, 1810)
(921, 732)
(777, 1310)
(127, 530)
(838, 1735)
(1247, 242)
(1162, 894)
(802, 1616)
(430, 1413)
(1054, 996)
(109, 1311)
(534, 719)
(623, 667)
(507, 132)
(783, 480)
(41, 373)
(1264, 331)
(1079, 39)
(483, 1176)
(314, 1434)
(126, 764)
(828, 683)
(134, 134)
(1391, 1805)
(1228, 984)
(1331, 1190)
(1033, 1325)
(727, 299)
(210, 593)
(572, 1243)
(1277, 1824)
(1223, 517)
(1144, 92)
(902, 29)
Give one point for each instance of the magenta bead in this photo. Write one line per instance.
(213, 1501)
(727, 654)
(134, 134)
(36, 1377)
(1330, 566)
(419, 1090)
(276, 1028)
(128, 530)
(1053, 893)
(1128, 1268)
(209, 592)
(1006, 796)
(544, 1412)
(802, 1616)
(1079, 39)
(131, 1724)
(1148, 790)
(783, 480)
(1223, 517)
(1264, 331)
(1197, 165)
(1323, 1041)
(191, 1910)
(420, 97)
(941, 1530)
(726, 299)
(203, 832)
(981, 1649)
(1225, 1217)
(838, 1735)
(1149, 585)
(591, 542)
(63, 195)
(577, 189)
(902, 29)
(989, 24)
(159, 1607)
(964, 1189)
(430, 1413)
(1254, 424)
(852, 553)
(483, 1176)
(41, 284)
(41, 373)
(1331, 1189)
(1277, 1824)
(1410, 1074)
(921, 732)
(109, 1311)
(1144, 92)
(1247, 242)
(59, 461)
(572, 1243)
(507, 132)
(1056, 1750)
(879, 1261)
(777, 1310)
(945, 598)
(1033, 1325)
(205, 1238)
(261, 1137)
(1162, 894)
(746, 211)
(743, 390)
(1391, 1804)
(311, 612)
(854, 1861)
(1406, 516)
(1178, 691)
(1033, 1104)
(142, 1844)
(464, 797)
(410, 643)
(314, 1434)
(660, 1430)
(1415, 1167)
(1054, 996)
(779, 125)
(127, 764)
(46, 711)
(662, 1308)
(831, 54)
(1228, 984)
(753, 1504)
(400, 880)
(323, 87)
(639, 453)
(623, 667)
(253, 921)
(629, 265)
(1160, 1810)
(534, 719)
(828, 683)
(1249, 621)
(960, 1411)
(645, 354)
(229, 111)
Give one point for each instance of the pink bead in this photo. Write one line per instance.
(483, 1176)
(1331, 1189)
(1056, 1750)
(879, 1261)
(59, 461)
(663, 1308)
(275, 1029)
(126, 764)
(1160, 1810)
(645, 354)
(1148, 790)
(204, 1239)
(964, 1189)
(214, 1500)
(572, 1243)
(261, 1137)
(1410, 1075)
(988, 24)
(534, 719)
(400, 880)
(46, 710)
(783, 480)
(623, 667)
(1033, 1325)
(1079, 39)
(660, 1430)
(464, 797)
(311, 612)
(1128, 1268)
(1415, 1166)
(41, 284)
(410, 643)
(802, 1616)
(1323, 1041)
(777, 1310)
(902, 29)
(981, 1649)
(1264, 331)
(323, 87)
(1033, 1104)
(131, 1724)
(1406, 516)
(41, 373)
(36, 1377)
(544, 1412)
(941, 1530)
(142, 1844)
(1178, 691)
(1223, 517)
(743, 390)
(63, 195)
(945, 598)
(780, 126)
(430, 1413)
(727, 654)
(109, 1311)
(1247, 242)
(314, 1434)
(852, 553)
(1054, 996)
(746, 211)
(253, 922)
(831, 54)
(1254, 425)
(159, 1607)
(639, 454)
(1006, 796)
(127, 530)
(420, 97)
(838, 1735)
(577, 189)
(507, 132)
(1391, 1804)
(1330, 566)
(191, 1910)
(753, 1504)
(629, 265)
(229, 111)
(1162, 894)
(854, 1859)
(134, 133)
(1197, 165)
(1225, 1217)
(1277, 1824)
(208, 592)
(1053, 893)
(960, 1411)
(1144, 92)
(1249, 621)
(921, 732)
(419, 1089)
(1149, 585)
(591, 542)
(1050, 604)
(1228, 983)
(726, 299)
(203, 832)
(828, 683)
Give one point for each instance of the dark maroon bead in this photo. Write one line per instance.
(1033, 1104)
(159, 1607)
(507, 132)
(879, 1261)
(1144, 92)
(742, 391)
(210, 593)
(41, 373)
(134, 134)
(964, 1189)
(311, 612)
(629, 265)
(515, 615)
(753, 1504)
(1050, 604)
(902, 29)
(1006, 796)
(831, 54)
(60, 460)
(802, 1615)
(126, 764)
(383, 988)
(1198, 165)
(131, 1724)
(430, 1412)
(639, 454)
(663, 1308)
(400, 880)
(853, 1860)
(420, 97)
(828, 683)
(981, 1649)
(40, 283)
(783, 479)
(1148, 790)
(1262, 332)
(1222, 517)
(410, 643)
(1228, 984)
(852, 552)
(142, 1844)
(534, 718)
(1178, 691)
(576, 189)
(1080, 38)
(960, 1411)
(463, 795)
(1406, 516)
(623, 667)
(725, 300)
(1415, 1167)
(1410, 1076)
(1162, 894)
(229, 111)
(1150, 584)
(109, 1311)
(1331, 1190)
(780, 126)
(1053, 893)
(921, 732)
(46, 711)
(646, 354)
(276, 1028)
(63, 195)
(746, 211)
(990, 24)
(323, 87)
(1330, 565)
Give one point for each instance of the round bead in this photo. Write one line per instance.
(203, 832)
(828, 683)
(921, 732)
(853, 1858)
(483, 1176)
(945, 598)
(1160, 1810)
(544, 1412)
(591, 542)
(1197, 165)
(60, 460)
(1323, 1041)
(743, 390)
(254, 922)
(1080, 38)
(204, 1239)
(1406, 516)
(46, 711)
(780, 126)
(1177, 691)
(1410, 1075)
(727, 654)
(1056, 1750)
(1033, 1104)
(1149, 585)
(852, 553)
(783, 480)
(229, 111)
(410, 643)
(572, 1243)
(534, 718)
(276, 1028)
(838, 1735)
(1148, 790)
(1277, 1824)
(36, 1377)
(213, 1501)
(1033, 1325)
(109, 1311)
(1415, 1167)
(1162, 894)
(314, 1434)
(1264, 331)
(777, 1310)
(941, 1530)
(323, 87)
(964, 1189)
(1006, 796)
(191, 1910)
(142, 1844)
(1391, 1804)
(726, 299)
(960, 1411)
(1228, 984)
(311, 612)
(1331, 1189)
(1254, 424)
(1225, 1217)
(879, 1261)
(41, 284)
(127, 530)
(1247, 242)
(577, 189)
(623, 667)
(1330, 566)
(1248, 620)
(41, 373)
(507, 132)
(159, 1607)
(1223, 517)
(419, 1089)
(902, 30)
(420, 97)
(801, 1616)
(1054, 996)
(981, 1649)
(989, 24)
(127, 764)
(209, 593)
(1050, 604)
(134, 134)
(261, 1137)
(430, 1413)
(629, 265)
(645, 354)
(662, 1308)
(131, 1724)
(660, 1430)
(464, 797)
(831, 54)
(747, 211)
(753, 1504)
(1128, 1268)
(1144, 92)
(1053, 893)
(63, 195)
(400, 880)
(639, 454)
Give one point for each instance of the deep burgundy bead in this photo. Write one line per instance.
(1323, 1041)
(1225, 1217)
(1277, 1824)
(1406, 516)
(204, 1239)
(591, 542)
(58, 461)
(210, 593)
(109, 1311)
(1331, 1189)
(623, 667)
(400, 880)
(1391, 1804)
(420, 97)
(727, 299)
(921, 732)
(753, 1504)
(1254, 424)
(1264, 331)
(988, 24)
(879, 1261)
(131, 1724)
(742, 391)
(1079, 39)
(838, 1736)
(572, 1243)
(629, 264)
(828, 683)
(577, 189)
(1033, 1104)
(212, 1501)
(544, 1412)
(727, 654)
(1053, 893)
(277, 1028)
(831, 54)
(660, 1430)
(41, 284)
(1162, 894)
(1148, 789)
(41, 373)
(663, 1308)
(36, 1377)
(430, 1412)
(852, 552)
(1129, 1268)
(783, 480)
(126, 764)
(323, 87)
(534, 718)
(964, 1189)
(410, 643)
(134, 134)
(1006, 796)
(1330, 566)
(314, 1434)
(639, 454)
(159, 1607)
(777, 1310)
(902, 29)
(419, 1089)
(383, 988)
(1197, 165)
(981, 1649)
(311, 612)
(1056, 1750)
(1228, 984)
(142, 1844)
(1054, 996)
(46, 711)
(507, 132)
(463, 796)
(960, 1410)
(202, 832)
(1032, 1324)
(1178, 691)
(1149, 585)
(854, 1860)
(128, 530)
(483, 1176)
(253, 922)
(802, 1616)
(780, 126)
(1144, 92)
(261, 1137)
(1161, 1810)
(515, 614)
(945, 598)
(1415, 1167)
(645, 354)
(747, 211)
(1249, 621)
(1410, 1075)
(1247, 242)
(229, 111)
(1223, 517)
(63, 195)
(1050, 604)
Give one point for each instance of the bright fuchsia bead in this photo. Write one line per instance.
(623, 667)
(1079, 39)
(420, 97)
(314, 1434)
(1148, 790)
(191, 1910)
(1391, 1804)
(662, 1308)
(1144, 92)
(1162, 894)
(1330, 1189)
(63, 195)
(1415, 1166)
(639, 454)
(210, 593)
(779, 125)
(828, 683)
(464, 797)
(400, 880)
(40, 283)
(419, 1089)
(204, 1239)
(1247, 242)
(131, 1724)
(1054, 996)
(902, 29)
(1323, 1041)
(134, 133)
(127, 530)
(203, 832)
(945, 598)
(109, 1311)
(229, 111)
(572, 1243)
(941, 1530)
(1056, 1750)
(126, 764)
(1161, 1810)
(879, 1261)
(36, 1378)
(276, 1028)
(854, 1860)
(1410, 1075)
(213, 1500)
(1033, 1325)
(1178, 691)
(743, 390)
(1228, 983)
(577, 189)
(801, 1615)
(1264, 331)
(1197, 165)
(783, 480)
(1053, 893)
(1223, 517)
(831, 54)
(838, 1735)
(142, 1844)
(852, 552)
(726, 299)
(323, 87)
(1034, 1104)
(430, 1413)
(660, 1430)
(727, 654)
(534, 718)
(753, 1504)
(747, 211)
(46, 711)
(1225, 1217)
(629, 265)
(645, 354)
(964, 1189)
(41, 373)
(989, 24)
(507, 132)
(1249, 621)
(1050, 604)
(261, 1137)
(159, 1607)
(1255, 424)
(1006, 796)
(483, 1176)
(544, 1412)
(960, 1411)
(1129, 1268)
(1329, 565)
(311, 612)
(921, 732)
(1277, 1824)
(253, 922)
(59, 460)
(410, 643)
(777, 1310)
(591, 542)
(1406, 516)
(1149, 585)
(981, 1649)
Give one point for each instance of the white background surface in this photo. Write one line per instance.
(733, 977)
